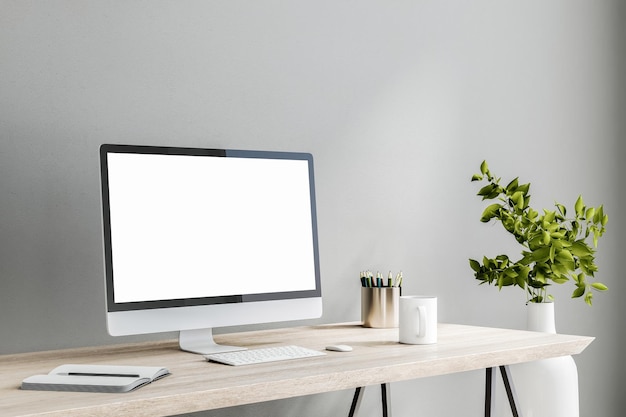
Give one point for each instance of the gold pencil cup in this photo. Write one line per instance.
(380, 306)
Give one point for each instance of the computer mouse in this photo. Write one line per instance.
(339, 348)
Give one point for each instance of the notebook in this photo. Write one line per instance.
(95, 378)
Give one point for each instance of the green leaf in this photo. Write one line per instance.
(578, 292)
(565, 255)
(560, 279)
(563, 243)
(579, 206)
(536, 284)
(549, 215)
(524, 188)
(589, 298)
(558, 269)
(484, 168)
(477, 177)
(526, 258)
(518, 199)
(475, 265)
(490, 212)
(540, 279)
(580, 278)
(541, 254)
(580, 249)
(599, 214)
(523, 274)
(586, 266)
(510, 272)
(568, 265)
(495, 193)
(552, 252)
(486, 190)
(512, 186)
(599, 286)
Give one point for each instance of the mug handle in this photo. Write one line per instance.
(421, 330)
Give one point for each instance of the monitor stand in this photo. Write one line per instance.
(201, 341)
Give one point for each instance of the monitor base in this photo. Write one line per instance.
(201, 341)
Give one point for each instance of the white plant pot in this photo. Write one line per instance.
(549, 387)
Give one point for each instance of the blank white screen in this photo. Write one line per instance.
(197, 226)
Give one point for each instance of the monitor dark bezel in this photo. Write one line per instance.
(112, 306)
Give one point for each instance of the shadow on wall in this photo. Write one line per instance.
(620, 165)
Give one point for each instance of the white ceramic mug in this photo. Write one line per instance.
(418, 319)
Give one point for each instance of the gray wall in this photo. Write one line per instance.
(399, 101)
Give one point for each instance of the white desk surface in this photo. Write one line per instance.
(196, 384)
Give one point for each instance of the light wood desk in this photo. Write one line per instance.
(197, 385)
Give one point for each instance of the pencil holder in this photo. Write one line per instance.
(380, 306)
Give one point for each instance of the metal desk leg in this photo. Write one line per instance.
(490, 390)
(510, 390)
(356, 401)
(385, 391)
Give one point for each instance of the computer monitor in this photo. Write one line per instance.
(196, 239)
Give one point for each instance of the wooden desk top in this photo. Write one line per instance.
(196, 384)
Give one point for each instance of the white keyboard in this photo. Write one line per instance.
(263, 355)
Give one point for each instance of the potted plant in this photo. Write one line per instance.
(555, 246)
(555, 249)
